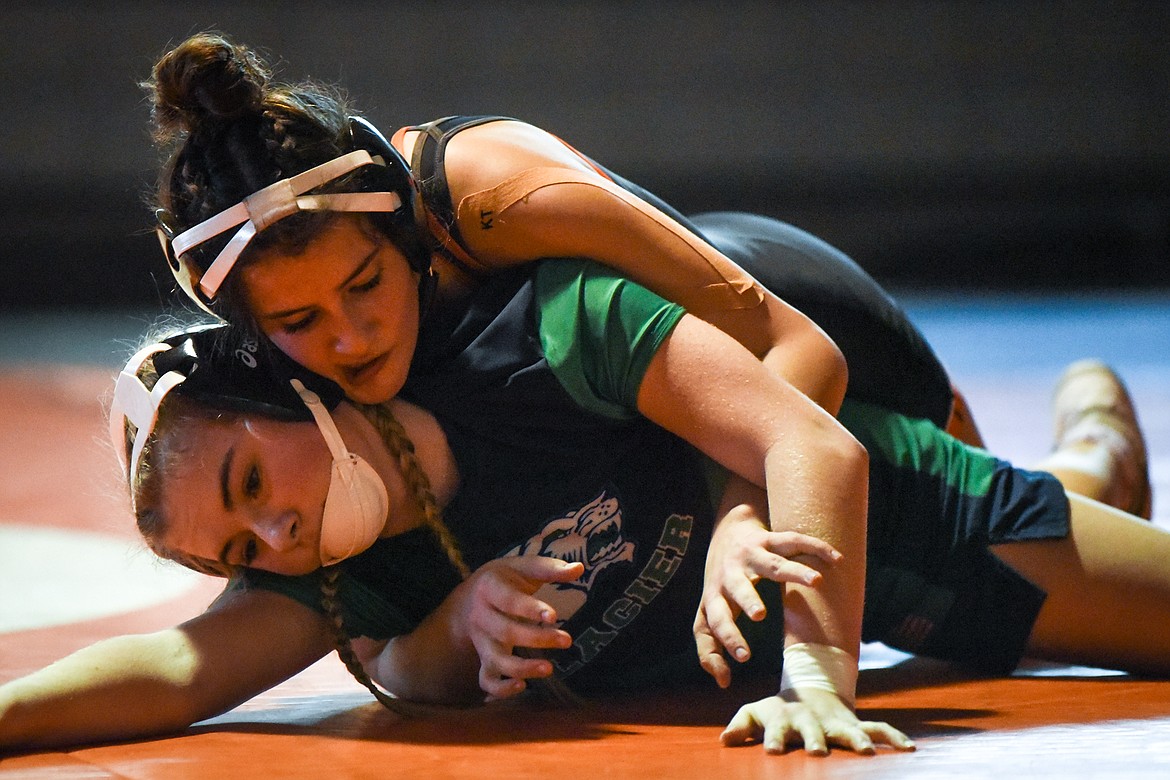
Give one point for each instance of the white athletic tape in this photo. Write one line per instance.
(824, 667)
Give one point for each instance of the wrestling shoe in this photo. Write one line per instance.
(1091, 408)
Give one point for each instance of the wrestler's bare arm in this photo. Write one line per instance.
(130, 687)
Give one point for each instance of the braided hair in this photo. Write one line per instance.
(400, 446)
(397, 441)
(170, 446)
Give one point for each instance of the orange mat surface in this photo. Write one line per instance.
(61, 483)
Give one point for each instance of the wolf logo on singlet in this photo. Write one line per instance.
(592, 535)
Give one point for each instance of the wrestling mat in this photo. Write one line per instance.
(72, 571)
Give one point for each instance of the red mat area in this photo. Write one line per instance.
(60, 473)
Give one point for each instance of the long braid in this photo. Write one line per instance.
(398, 443)
(402, 448)
(330, 580)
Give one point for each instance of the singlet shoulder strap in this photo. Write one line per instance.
(435, 196)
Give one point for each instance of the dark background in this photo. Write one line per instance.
(1010, 144)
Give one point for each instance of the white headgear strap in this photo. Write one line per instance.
(357, 502)
(324, 420)
(275, 202)
(134, 402)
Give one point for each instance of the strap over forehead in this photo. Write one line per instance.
(387, 187)
(218, 366)
(275, 202)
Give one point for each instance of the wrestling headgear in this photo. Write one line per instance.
(214, 365)
(286, 197)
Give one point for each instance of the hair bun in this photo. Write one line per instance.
(203, 83)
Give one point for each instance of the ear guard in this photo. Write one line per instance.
(219, 366)
(284, 198)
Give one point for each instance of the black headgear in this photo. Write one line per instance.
(219, 366)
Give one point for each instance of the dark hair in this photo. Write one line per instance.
(228, 130)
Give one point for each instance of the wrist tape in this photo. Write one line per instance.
(825, 667)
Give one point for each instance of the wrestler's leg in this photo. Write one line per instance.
(961, 423)
(1099, 450)
(890, 362)
(1108, 586)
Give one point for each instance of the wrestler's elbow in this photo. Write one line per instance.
(832, 371)
(813, 363)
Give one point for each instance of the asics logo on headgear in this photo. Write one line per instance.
(246, 353)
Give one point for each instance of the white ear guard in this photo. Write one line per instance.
(216, 365)
(395, 192)
(134, 402)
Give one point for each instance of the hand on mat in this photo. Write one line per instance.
(499, 614)
(742, 552)
(818, 721)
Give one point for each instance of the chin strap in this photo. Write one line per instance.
(324, 421)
